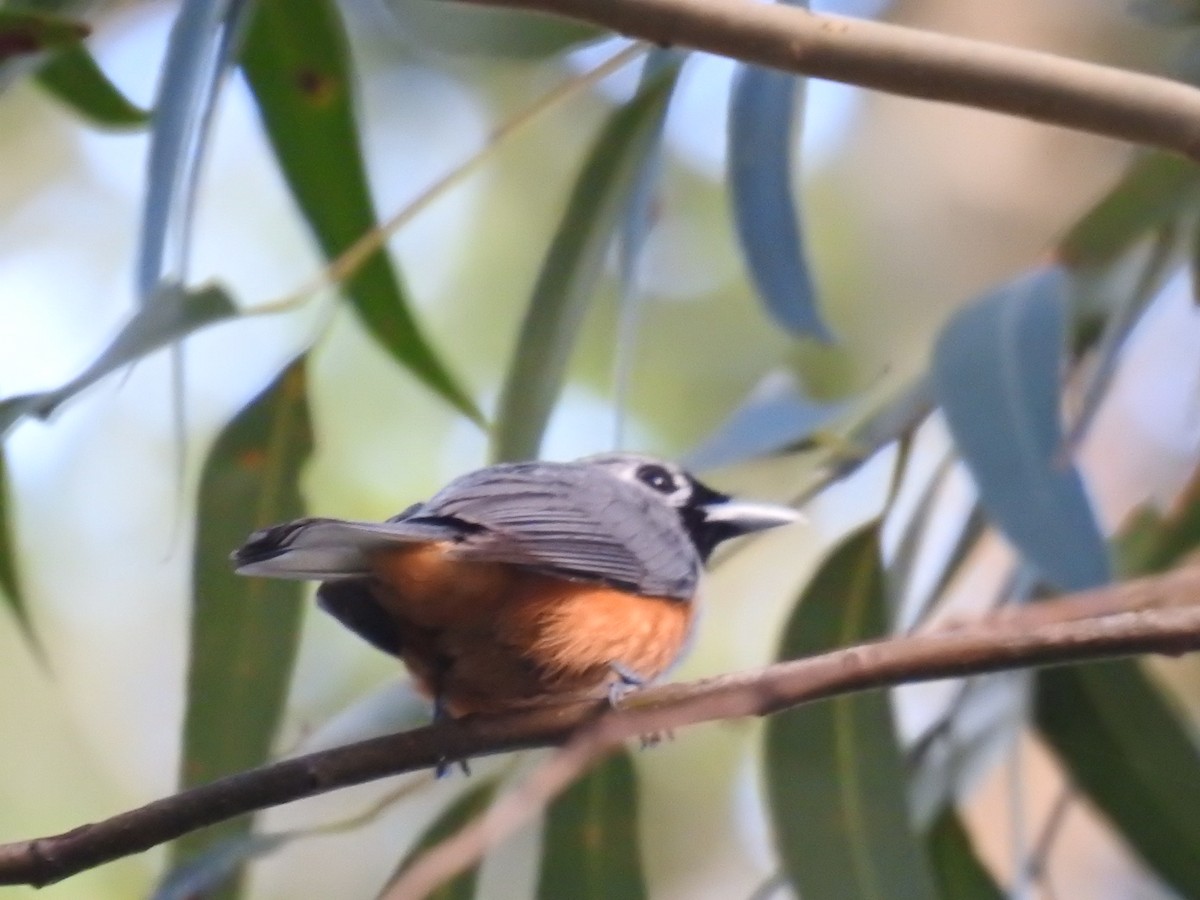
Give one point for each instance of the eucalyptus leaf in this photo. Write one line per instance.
(244, 631)
(479, 31)
(959, 873)
(763, 107)
(10, 583)
(468, 806)
(1135, 758)
(572, 268)
(173, 313)
(997, 372)
(834, 771)
(26, 31)
(1157, 188)
(74, 77)
(297, 62)
(590, 846)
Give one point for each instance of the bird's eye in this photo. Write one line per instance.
(657, 478)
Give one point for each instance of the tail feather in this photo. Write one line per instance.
(309, 549)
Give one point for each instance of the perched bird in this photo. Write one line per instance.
(523, 582)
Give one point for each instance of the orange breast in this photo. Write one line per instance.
(488, 636)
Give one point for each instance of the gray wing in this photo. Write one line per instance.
(570, 520)
(564, 519)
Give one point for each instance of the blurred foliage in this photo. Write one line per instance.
(244, 630)
(590, 845)
(836, 774)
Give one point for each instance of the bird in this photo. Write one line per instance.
(523, 583)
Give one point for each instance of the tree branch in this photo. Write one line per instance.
(1153, 615)
(1116, 103)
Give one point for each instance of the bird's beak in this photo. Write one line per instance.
(742, 517)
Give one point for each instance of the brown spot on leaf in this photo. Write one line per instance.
(317, 87)
(252, 459)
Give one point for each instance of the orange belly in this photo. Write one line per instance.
(489, 637)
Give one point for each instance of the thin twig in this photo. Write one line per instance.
(1117, 103)
(350, 260)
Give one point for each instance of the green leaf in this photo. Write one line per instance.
(23, 32)
(1154, 190)
(173, 313)
(10, 584)
(73, 76)
(835, 774)
(473, 30)
(1126, 748)
(1152, 542)
(959, 873)
(244, 630)
(590, 845)
(572, 269)
(468, 806)
(297, 63)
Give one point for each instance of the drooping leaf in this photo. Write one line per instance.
(834, 772)
(1156, 188)
(959, 873)
(632, 233)
(775, 416)
(297, 63)
(203, 875)
(1154, 542)
(997, 371)
(174, 313)
(74, 77)
(244, 630)
(26, 31)
(479, 31)
(590, 846)
(10, 583)
(572, 268)
(1131, 754)
(762, 111)
(468, 806)
(1166, 12)
(199, 53)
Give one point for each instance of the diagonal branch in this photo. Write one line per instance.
(1117, 103)
(1153, 615)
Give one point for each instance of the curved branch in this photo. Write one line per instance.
(1116, 103)
(1153, 615)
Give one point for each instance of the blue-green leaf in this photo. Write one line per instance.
(997, 372)
(297, 63)
(572, 269)
(762, 112)
(468, 806)
(834, 771)
(244, 630)
(590, 846)
(173, 313)
(774, 417)
(203, 875)
(1132, 755)
(73, 76)
(198, 55)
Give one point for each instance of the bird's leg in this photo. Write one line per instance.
(442, 714)
(627, 682)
